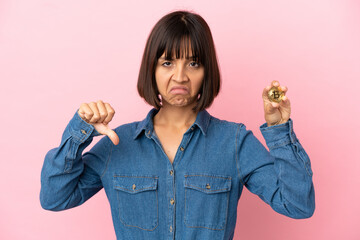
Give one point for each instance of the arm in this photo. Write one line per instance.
(281, 178)
(69, 178)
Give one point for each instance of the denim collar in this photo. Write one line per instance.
(147, 126)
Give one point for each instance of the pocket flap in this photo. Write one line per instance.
(208, 183)
(134, 183)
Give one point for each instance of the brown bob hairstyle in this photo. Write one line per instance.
(173, 34)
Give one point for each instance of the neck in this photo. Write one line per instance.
(178, 117)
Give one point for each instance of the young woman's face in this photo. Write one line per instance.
(179, 80)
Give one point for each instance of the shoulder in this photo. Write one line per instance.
(221, 126)
(217, 122)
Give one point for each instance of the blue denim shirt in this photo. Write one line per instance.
(196, 196)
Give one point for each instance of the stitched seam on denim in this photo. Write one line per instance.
(227, 209)
(207, 124)
(283, 143)
(236, 153)
(182, 152)
(137, 190)
(135, 176)
(79, 139)
(185, 211)
(157, 222)
(223, 189)
(280, 181)
(108, 160)
(219, 229)
(174, 211)
(302, 160)
(205, 175)
(74, 135)
(274, 126)
(69, 159)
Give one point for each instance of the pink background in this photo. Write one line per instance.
(54, 55)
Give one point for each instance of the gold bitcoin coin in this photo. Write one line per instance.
(276, 94)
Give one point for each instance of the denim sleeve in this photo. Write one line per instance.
(282, 177)
(69, 178)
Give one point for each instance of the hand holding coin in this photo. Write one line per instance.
(276, 105)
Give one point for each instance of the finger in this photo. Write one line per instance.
(275, 83)
(113, 136)
(102, 111)
(285, 103)
(265, 93)
(271, 107)
(81, 113)
(85, 112)
(95, 110)
(284, 89)
(110, 112)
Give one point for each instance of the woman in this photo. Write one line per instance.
(180, 172)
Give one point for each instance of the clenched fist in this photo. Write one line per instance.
(99, 114)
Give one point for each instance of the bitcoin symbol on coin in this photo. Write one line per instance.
(275, 94)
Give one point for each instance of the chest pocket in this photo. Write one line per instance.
(206, 201)
(137, 200)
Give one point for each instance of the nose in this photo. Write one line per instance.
(180, 73)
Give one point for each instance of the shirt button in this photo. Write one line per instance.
(83, 131)
(172, 201)
(170, 228)
(192, 128)
(133, 186)
(171, 172)
(181, 149)
(207, 186)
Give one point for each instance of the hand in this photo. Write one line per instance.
(276, 113)
(99, 115)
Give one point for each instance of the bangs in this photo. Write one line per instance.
(181, 42)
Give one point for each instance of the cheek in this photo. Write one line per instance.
(158, 78)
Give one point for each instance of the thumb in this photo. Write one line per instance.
(112, 135)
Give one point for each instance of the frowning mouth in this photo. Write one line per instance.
(179, 90)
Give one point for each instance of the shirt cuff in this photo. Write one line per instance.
(81, 130)
(278, 135)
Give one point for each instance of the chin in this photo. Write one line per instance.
(180, 101)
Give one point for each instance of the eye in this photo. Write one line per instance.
(166, 64)
(195, 64)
